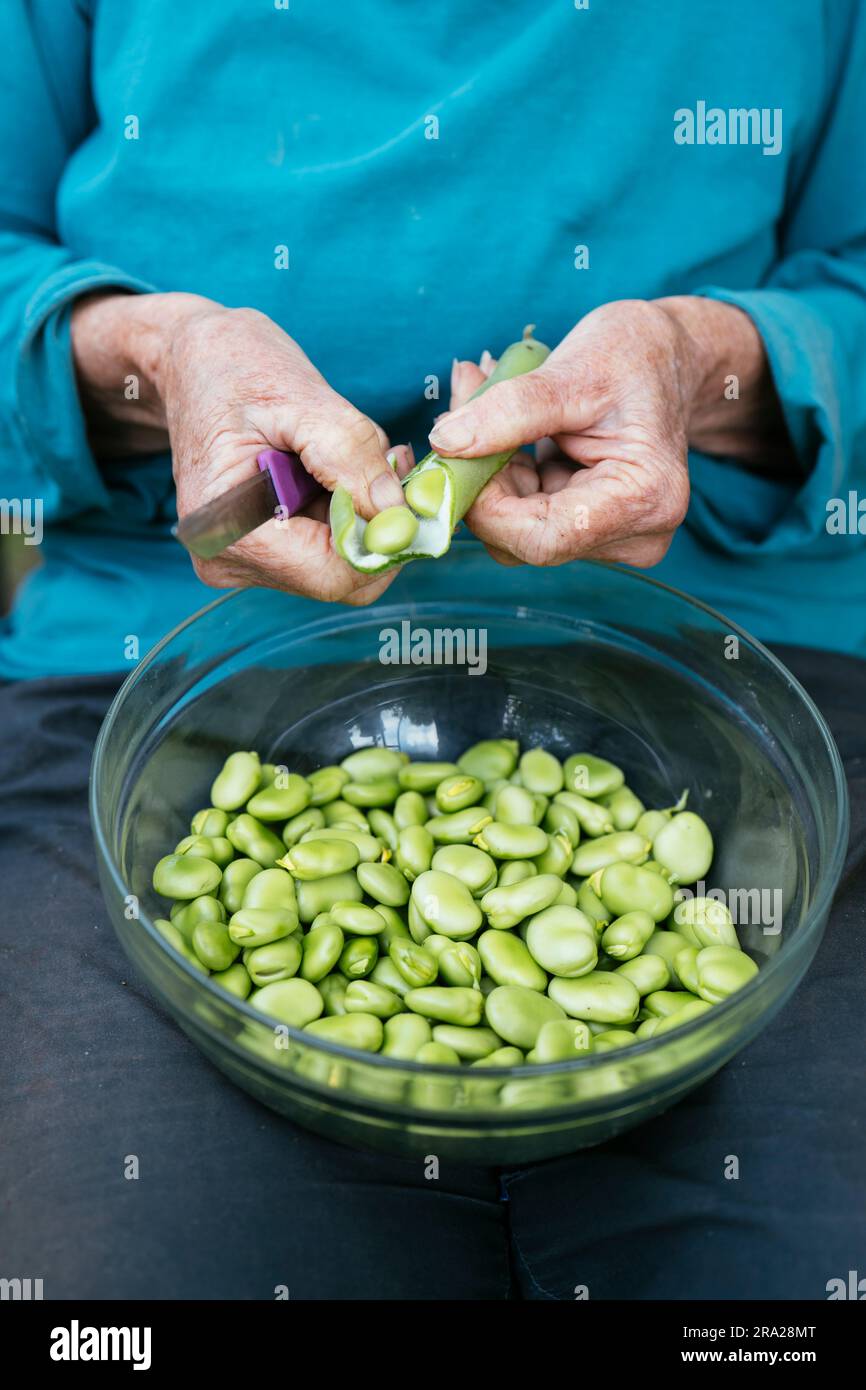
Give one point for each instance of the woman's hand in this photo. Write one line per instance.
(219, 386)
(615, 406)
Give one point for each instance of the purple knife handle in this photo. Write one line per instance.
(294, 486)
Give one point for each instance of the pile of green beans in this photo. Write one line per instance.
(503, 909)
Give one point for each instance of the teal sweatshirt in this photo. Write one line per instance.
(439, 175)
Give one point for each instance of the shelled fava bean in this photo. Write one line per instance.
(505, 908)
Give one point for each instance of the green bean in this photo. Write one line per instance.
(541, 771)
(417, 966)
(385, 973)
(373, 765)
(459, 963)
(271, 888)
(662, 1002)
(410, 808)
(512, 841)
(203, 909)
(458, 792)
(693, 1009)
(405, 1035)
(277, 961)
(647, 1028)
(557, 858)
(418, 928)
(684, 847)
(625, 808)
(472, 867)
(425, 491)
(287, 797)
(562, 940)
(213, 945)
(628, 935)
(445, 904)
(647, 973)
(489, 759)
(721, 971)
(333, 991)
(628, 888)
(357, 918)
(258, 926)
(591, 776)
(502, 1057)
(391, 530)
(447, 1004)
(365, 996)
(459, 828)
(184, 876)
(505, 907)
(321, 894)
(592, 817)
(705, 922)
(210, 821)
(469, 1043)
(235, 980)
(379, 793)
(384, 827)
(369, 847)
(517, 1014)
(562, 1040)
(295, 1002)
(214, 847)
(651, 822)
(236, 782)
(359, 1030)
(236, 877)
(513, 871)
(425, 777)
(604, 998)
(322, 948)
(668, 945)
(685, 963)
(622, 846)
(436, 1055)
(507, 961)
(414, 853)
(384, 883)
(174, 936)
(296, 828)
(560, 819)
(326, 784)
(612, 1039)
(358, 957)
(567, 895)
(515, 806)
(255, 840)
(395, 926)
(340, 813)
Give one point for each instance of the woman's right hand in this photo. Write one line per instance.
(219, 386)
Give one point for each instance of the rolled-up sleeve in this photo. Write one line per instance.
(811, 314)
(45, 112)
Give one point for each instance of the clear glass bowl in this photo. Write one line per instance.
(591, 656)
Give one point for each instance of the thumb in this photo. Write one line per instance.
(341, 446)
(507, 415)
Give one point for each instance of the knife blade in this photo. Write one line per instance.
(280, 488)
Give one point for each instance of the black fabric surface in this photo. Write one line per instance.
(233, 1201)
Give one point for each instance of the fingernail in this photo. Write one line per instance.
(455, 432)
(485, 362)
(385, 491)
(455, 373)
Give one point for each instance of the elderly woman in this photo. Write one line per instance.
(229, 227)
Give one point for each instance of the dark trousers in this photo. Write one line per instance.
(233, 1201)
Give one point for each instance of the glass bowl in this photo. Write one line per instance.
(586, 657)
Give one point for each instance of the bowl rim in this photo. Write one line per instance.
(735, 1002)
